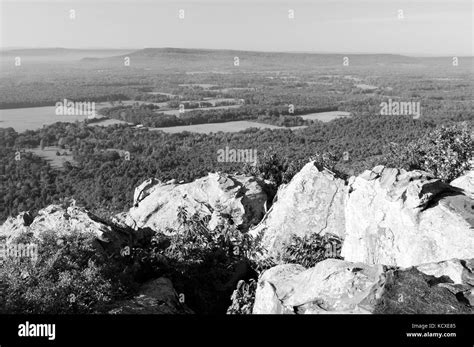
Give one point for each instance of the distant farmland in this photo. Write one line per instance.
(49, 154)
(227, 127)
(325, 116)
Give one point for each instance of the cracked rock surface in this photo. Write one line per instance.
(312, 202)
(338, 286)
(384, 216)
(400, 218)
(234, 199)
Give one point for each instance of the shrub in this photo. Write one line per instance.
(270, 166)
(203, 264)
(243, 298)
(279, 170)
(293, 168)
(71, 275)
(67, 277)
(310, 250)
(445, 152)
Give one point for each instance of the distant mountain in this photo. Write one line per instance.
(59, 51)
(211, 60)
(58, 54)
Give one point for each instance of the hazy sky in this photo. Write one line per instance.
(439, 27)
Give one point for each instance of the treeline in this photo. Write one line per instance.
(52, 102)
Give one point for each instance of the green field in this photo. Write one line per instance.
(227, 127)
(50, 155)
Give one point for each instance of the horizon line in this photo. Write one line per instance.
(416, 55)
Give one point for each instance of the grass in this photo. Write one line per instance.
(49, 154)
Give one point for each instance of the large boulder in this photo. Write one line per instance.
(272, 288)
(154, 297)
(312, 203)
(233, 199)
(338, 286)
(466, 183)
(459, 271)
(400, 218)
(331, 286)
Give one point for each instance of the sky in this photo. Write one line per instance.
(437, 27)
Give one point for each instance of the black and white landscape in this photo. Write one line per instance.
(236, 157)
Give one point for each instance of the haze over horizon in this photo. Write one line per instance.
(435, 28)
(136, 49)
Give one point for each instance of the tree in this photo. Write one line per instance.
(270, 167)
(444, 152)
(447, 151)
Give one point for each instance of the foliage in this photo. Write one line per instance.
(243, 298)
(67, 277)
(310, 250)
(203, 264)
(270, 167)
(445, 152)
(292, 169)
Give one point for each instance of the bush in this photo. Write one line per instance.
(445, 152)
(72, 275)
(280, 170)
(310, 250)
(67, 277)
(243, 298)
(203, 264)
(270, 167)
(292, 169)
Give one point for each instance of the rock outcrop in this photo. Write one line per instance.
(313, 202)
(234, 199)
(69, 220)
(384, 216)
(400, 218)
(407, 239)
(154, 297)
(338, 286)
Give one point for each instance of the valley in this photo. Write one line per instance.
(146, 171)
